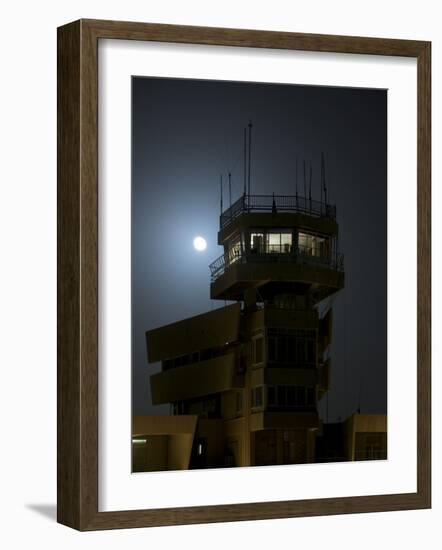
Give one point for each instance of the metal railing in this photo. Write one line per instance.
(277, 203)
(284, 253)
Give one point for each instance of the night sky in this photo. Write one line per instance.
(188, 132)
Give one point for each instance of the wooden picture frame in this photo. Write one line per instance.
(77, 459)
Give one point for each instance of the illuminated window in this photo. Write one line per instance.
(234, 253)
(280, 243)
(312, 245)
(257, 243)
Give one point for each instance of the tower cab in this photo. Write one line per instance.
(276, 246)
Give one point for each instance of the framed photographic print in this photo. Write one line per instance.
(243, 275)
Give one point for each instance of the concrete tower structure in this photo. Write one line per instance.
(247, 377)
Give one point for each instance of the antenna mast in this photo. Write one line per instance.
(250, 152)
(305, 187)
(221, 193)
(230, 189)
(323, 179)
(245, 159)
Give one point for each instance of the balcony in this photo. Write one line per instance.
(196, 380)
(277, 203)
(276, 254)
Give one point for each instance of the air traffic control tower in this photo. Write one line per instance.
(247, 377)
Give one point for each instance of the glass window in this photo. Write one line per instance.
(291, 396)
(279, 242)
(291, 349)
(300, 350)
(312, 245)
(256, 243)
(272, 349)
(300, 396)
(273, 242)
(286, 243)
(271, 396)
(281, 396)
(282, 349)
(234, 251)
(311, 351)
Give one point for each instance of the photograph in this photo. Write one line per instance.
(259, 274)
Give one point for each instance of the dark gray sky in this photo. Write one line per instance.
(187, 132)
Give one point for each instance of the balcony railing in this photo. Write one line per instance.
(276, 253)
(277, 203)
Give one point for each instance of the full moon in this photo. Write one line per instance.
(199, 243)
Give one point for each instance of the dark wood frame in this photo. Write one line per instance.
(77, 459)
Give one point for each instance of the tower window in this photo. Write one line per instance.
(256, 243)
(274, 242)
(272, 348)
(292, 347)
(271, 396)
(280, 243)
(312, 245)
(234, 251)
(259, 344)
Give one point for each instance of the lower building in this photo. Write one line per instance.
(359, 437)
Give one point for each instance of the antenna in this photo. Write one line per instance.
(323, 179)
(245, 159)
(250, 152)
(221, 193)
(310, 188)
(305, 186)
(296, 180)
(230, 190)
